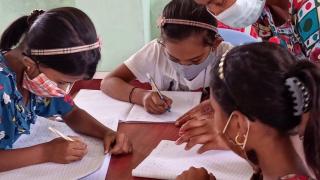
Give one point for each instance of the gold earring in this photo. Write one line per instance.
(236, 139)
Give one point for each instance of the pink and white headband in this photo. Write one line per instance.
(162, 21)
(70, 50)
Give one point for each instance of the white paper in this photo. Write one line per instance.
(101, 106)
(40, 134)
(168, 160)
(182, 103)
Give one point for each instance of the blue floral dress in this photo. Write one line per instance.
(15, 117)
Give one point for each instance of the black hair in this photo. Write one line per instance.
(187, 10)
(57, 28)
(254, 83)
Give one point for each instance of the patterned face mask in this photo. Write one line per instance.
(43, 86)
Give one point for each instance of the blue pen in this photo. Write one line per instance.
(153, 84)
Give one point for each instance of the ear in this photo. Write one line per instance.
(239, 123)
(31, 67)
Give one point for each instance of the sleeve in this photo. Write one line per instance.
(7, 126)
(48, 107)
(144, 61)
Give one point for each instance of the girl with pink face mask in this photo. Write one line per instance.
(42, 55)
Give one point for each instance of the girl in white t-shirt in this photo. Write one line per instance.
(180, 60)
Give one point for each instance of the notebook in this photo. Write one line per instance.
(101, 106)
(168, 160)
(40, 134)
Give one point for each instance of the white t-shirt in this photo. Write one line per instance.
(153, 60)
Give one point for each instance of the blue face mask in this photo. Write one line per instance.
(191, 71)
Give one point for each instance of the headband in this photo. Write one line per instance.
(162, 21)
(70, 50)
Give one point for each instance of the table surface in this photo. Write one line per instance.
(144, 137)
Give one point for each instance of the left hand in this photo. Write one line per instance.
(196, 173)
(117, 143)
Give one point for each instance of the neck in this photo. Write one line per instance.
(278, 158)
(14, 61)
(283, 4)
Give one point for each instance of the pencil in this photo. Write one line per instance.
(153, 84)
(60, 134)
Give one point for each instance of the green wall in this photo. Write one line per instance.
(124, 26)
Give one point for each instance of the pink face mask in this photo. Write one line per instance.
(43, 86)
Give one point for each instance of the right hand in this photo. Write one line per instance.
(202, 111)
(62, 151)
(154, 105)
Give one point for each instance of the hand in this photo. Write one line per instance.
(201, 132)
(117, 143)
(202, 111)
(62, 151)
(154, 105)
(196, 173)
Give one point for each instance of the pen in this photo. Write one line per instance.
(60, 134)
(153, 84)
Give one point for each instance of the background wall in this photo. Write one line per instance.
(124, 26)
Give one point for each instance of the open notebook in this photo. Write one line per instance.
(168, 160)
(40, 134)
(102, 106)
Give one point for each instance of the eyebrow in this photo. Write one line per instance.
(194, 58)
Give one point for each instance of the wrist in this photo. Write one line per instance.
(44, 151)
(138, 96)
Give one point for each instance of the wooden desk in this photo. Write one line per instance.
(145, 137)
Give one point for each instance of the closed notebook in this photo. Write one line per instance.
(40, 134)
(102, 106)
(168, 160)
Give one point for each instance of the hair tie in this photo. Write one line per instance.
(300, 95)
(221, 65)
(34, 15)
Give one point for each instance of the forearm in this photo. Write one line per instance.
(82, 122)
(17, 158)
(119, 89)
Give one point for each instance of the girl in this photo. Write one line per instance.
(263, 100)
(180, 61)
(57, 48)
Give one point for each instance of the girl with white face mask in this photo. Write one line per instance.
(58, 48)
(263, 98)
(291, 23)
(180, 60)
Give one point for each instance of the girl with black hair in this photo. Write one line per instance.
(51, 50)
(266, 109)
(179, 61)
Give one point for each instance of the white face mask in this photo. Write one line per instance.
(191, 71)
(242, 13)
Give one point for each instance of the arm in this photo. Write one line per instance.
(82, 122)
(116, 85)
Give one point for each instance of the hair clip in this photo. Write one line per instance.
(221, 65)
(300, 95)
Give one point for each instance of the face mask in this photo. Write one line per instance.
(191, 71)
(43, 86)
(242, 13)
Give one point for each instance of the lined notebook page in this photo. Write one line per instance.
(101, 106)
(168, 160)
(182, 102)
(40, 134)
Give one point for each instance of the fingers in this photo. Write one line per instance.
(202, 139)
(184, 137)
(108, 141)
(192, 125)
(120, 140)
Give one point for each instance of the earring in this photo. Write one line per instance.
(236, 139)
(28, 68)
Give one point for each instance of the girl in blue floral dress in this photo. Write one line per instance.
(51, 51)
